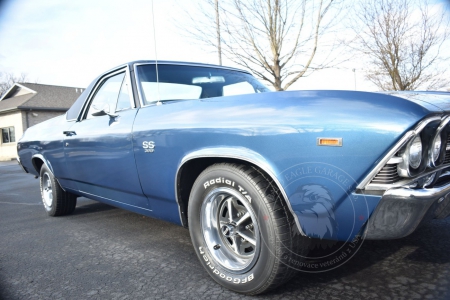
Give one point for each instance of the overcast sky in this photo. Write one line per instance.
(69, 43)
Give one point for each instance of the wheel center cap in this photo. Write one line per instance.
(227, 230)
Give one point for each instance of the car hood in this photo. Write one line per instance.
(433, 101)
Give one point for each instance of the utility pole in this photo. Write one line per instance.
(219, 48)
(354, 75)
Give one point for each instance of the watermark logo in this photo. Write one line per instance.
(317, 203)
(330, 215)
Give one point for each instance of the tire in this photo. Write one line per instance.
(249, 251)
(57, 202)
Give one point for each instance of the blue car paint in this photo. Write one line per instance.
(100, 159)
(282, 128)
(112, 166)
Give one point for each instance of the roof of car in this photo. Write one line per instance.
(184, 63)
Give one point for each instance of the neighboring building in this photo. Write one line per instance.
(27, 104)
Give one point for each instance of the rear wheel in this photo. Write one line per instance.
(57, 202)
(241, 229)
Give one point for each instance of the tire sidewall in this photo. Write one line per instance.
(259, 275)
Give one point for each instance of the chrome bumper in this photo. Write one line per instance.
(401, 210)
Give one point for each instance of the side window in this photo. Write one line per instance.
(106, 95)
(124, 98)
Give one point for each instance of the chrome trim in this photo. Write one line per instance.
(401, 210)
(138, 85)
(406, 181)
(190, 64)
(438, 132)
(329, 138)
(130, 87)
(49, 166)
(383, 161)
(41, 157)
(395, 160)
(108, 199)
(101, 79)
(408, 135)
(240, 153)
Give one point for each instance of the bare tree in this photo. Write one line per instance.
(278, 40)
(7, 80)
(404, 40)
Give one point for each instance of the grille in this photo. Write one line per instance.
(447, 152)
(387, 175)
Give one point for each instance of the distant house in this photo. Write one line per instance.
(27, 104)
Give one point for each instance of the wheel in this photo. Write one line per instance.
(57, 202)
(242, 232)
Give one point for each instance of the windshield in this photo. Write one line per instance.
(178, 82)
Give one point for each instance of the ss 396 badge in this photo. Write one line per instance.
(149, 146)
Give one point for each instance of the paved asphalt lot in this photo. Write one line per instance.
(101, 252)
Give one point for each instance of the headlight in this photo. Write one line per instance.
(415, 153)
(436, 148)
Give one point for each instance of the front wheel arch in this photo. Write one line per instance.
(189, 171)
(37, 163)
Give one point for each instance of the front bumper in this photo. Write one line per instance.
(402, 210)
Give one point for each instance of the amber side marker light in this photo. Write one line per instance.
(334, 142)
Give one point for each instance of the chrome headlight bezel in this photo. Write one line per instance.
(441, 133)
(435, 149)
(414, 151)
(407, 168)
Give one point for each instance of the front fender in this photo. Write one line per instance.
(236, 153)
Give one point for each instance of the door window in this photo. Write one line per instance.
(123, 102)
(107, 95)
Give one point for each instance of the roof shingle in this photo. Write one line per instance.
(50, 97)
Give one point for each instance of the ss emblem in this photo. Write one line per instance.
(149, 146)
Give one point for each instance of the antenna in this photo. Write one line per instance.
(156, 56)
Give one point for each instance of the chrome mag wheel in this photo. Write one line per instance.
(47, 190)
(230, 229)
(240, 228)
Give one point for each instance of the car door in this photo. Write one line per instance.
(98, 148)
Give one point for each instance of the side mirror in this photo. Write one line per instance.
(104, 111)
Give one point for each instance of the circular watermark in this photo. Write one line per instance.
(330, 217)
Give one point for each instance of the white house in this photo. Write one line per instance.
(27, 104)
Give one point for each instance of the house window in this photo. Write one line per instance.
(8, 135)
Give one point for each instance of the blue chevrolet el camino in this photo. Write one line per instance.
(263, 180)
